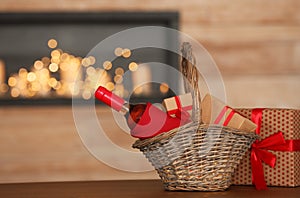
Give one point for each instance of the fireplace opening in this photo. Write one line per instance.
(43, 57)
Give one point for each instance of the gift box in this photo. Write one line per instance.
(177, 105)
(215, 111)
(274, 160)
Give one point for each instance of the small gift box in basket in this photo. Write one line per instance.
(179, 104)
(196, 156)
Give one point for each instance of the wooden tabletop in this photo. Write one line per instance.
(136, 188)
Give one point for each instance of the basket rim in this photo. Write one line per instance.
(166, 135)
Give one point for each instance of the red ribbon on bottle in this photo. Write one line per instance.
(180, 109)
(260, 153)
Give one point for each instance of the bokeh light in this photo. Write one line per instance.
(133, 66)
(126, 53)
(118, 51)
(52, 43)
(53, 67)
(107, 65)
(164, 88)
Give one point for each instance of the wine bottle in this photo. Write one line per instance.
(145, 120)
(132, 112)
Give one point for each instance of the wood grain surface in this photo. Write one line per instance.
(140, 188)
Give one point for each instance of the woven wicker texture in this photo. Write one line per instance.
(196, 157)
(191, 78)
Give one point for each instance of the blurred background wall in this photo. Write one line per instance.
(256, 45)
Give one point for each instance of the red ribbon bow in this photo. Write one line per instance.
(260, 153)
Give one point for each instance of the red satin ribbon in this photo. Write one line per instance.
(180, 109)
(222, 113)
(260, 153)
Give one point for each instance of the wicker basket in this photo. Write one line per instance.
(196, 157)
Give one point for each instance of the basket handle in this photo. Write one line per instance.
(191, 78)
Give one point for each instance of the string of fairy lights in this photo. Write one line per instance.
(66, 75)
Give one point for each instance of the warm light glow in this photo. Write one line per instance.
(77, 60)
(52, 82)
(92, 60)
(55, 54)
(57, 86)
(2, 71)
(110, 86)
(74, 89)
(126, 53)
(119, 71)
(118, 79)
(41, 79)
(90, 71)
(12, 81)
(86, 62)
(119, 90)
(3, 88)
(133, 66)
(61, 90)
(86, 95)
(164, 88)
(64, 66)
(101, 72)
(138, 90)
(142, 77)
(52, 43)
(118, 51)
(31, 76)
(44, 72)
(38, 81)
(107, 65)
(23, 73)
(38, 65)
(64, 57)
(46, 61)
(21, 85)
(45, 89)
(35, 86)
(53, 67)
(14, 92)
(55, 60)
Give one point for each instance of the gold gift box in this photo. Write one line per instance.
(215, 111)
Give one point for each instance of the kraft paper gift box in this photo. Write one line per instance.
(177, 104)
(215, 111)
(274, 160)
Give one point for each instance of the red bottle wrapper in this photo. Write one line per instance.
(154, 121)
